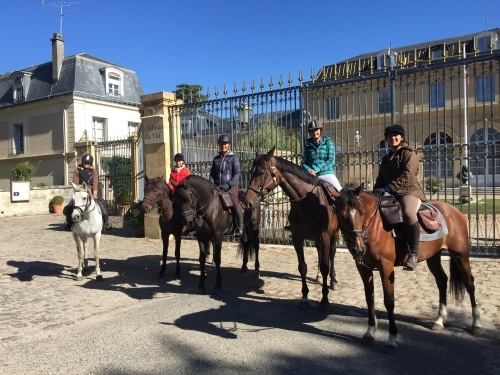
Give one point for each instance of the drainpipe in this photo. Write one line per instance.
(65, 147)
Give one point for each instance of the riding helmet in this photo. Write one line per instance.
(178, 157)
(314, 124)
(87, 158)
(394, 128)
(223, 139)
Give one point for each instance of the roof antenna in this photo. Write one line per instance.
(60, 5)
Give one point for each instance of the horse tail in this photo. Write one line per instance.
(246, 247)
(456, 281)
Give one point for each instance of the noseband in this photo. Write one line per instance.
(270, 171)
(87, 206)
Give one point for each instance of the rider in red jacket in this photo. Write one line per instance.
(179, 173)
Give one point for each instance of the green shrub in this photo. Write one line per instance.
(57, 200)
(23, 171)
(125, 198)
(433, 184)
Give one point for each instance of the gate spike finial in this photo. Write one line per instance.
(253, 85)
(262, 84)
(243, 88)
(271, 82)
(216, 92)
(235, 89)
(225, 91)
(290, 80)
(280, 82)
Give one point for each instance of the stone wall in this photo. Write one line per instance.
(38, 203)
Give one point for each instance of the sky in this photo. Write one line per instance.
(213, 43)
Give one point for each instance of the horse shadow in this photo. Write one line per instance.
(27, 271)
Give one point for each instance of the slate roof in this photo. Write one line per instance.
(80, 74)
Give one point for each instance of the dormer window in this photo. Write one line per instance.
(20, 86)
(486, 41)
(113, 80)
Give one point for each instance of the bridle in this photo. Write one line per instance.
(197, 213)
(269, 171)
(87, 209)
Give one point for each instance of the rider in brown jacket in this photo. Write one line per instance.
(398, 175)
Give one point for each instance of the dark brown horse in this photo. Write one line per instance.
(156, 195)
(376, 249)
(311, 216)
(201, 210)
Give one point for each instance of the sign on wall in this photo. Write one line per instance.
(20, 191)
(153, 132)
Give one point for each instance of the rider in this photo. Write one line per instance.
(319, 155)
(398, 175)
(86, 172)
(179, 173)
(225, 173)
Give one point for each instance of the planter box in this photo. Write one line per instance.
(19, 191)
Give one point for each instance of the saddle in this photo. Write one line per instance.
(328, 188)
(390, 210)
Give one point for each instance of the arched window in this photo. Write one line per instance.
(485, 144)
(438, 155)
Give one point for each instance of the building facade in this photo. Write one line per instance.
(52, 113)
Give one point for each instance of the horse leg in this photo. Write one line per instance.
(256, 246)
(298, 244)
(97, 241)
(164, 240)
(436, 268)
(202, 244)
(333, 276)
(388, 278)
(178, 239)
(367, 278)
(81, 253)
(246, 249)
(217, 244)
(324, 254)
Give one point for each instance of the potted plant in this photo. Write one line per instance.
(57, 204)
(124, 199)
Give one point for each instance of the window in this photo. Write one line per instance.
(436, 95)
(20, 86)
(18, 139)
(332, 108)
(438, 156)
(485, 144)
(384, 102)
(483, 44)
(437, 53)
(99, 131)
(113, 81)
(485, 89)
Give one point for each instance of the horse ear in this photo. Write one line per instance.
(271, 152)
(360, 188)
(257, 153)
(75, 186)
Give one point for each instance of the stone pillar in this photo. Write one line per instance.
(161, 135)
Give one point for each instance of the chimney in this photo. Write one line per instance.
(57, 55)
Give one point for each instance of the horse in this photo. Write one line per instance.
(311, 216)
(202, 211)
(87, 223)
(157, 195)
(375, 248)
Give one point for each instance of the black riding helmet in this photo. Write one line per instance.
(314, 124)
(394, 128)
(87, 158)
(223, 139)
(178, 157)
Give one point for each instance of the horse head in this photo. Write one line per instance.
(156, 194)
(186, 197)
(82, 199)
(263, 177)
(351, 215)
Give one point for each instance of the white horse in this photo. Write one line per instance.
(87, 222)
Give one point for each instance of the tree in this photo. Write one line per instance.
(190, 93)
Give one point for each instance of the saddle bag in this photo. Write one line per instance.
(429, 220)
(390, 210)
(225, 200)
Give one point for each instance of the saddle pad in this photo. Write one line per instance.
(443, 231)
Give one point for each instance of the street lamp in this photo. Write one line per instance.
(244, 111)
(392, 76)
(357, 138)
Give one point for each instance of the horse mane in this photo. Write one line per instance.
(348, 197)
(289, 167)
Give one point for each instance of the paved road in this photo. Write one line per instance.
(135, 323)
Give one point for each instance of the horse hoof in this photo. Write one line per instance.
(390, 349)
(437, 327)
(99, 278)
(368, 340)
(334, 285)
(476, 330)
(79, 278)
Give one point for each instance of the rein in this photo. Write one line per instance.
(87, 206)
(272, 171)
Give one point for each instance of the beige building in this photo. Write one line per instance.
(53, 112)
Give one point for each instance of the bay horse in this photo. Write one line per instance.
(201, 210)
(87, 223)
(311, 216)
(157, 196)
(375, 248)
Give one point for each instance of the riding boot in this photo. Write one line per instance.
(238, 215)
(67, 211)
(413, 238)
(105, 216)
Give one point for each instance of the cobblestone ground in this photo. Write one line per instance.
(39, 291)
